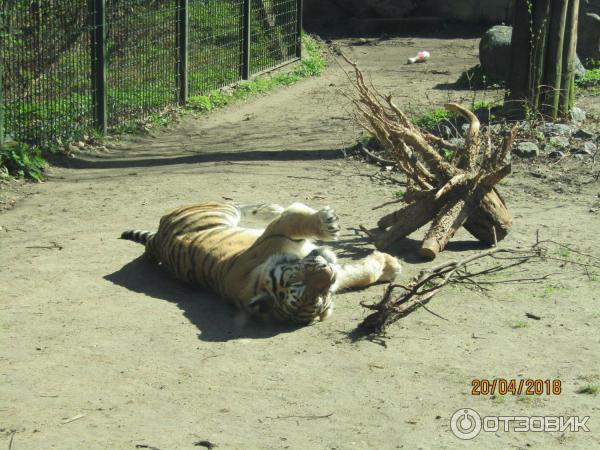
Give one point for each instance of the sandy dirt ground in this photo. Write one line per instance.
(102, 350)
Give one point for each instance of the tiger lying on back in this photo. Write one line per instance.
(273, 274)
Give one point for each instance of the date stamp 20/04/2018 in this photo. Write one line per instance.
(523, 386)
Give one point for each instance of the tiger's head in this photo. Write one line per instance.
(296, 290)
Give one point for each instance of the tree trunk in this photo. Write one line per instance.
(554, 68)
(517, 83)
(543, 51)
(539, 40)
(570, 52)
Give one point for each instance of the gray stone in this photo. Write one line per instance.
(494, 52)
(556, 129)
(577, 115)
(556, 154)
(579, 68)
(583, 134)
(446, 131)
(588, 36)
(587, 148)
(559, 142)
(526, 149)
(457, 141)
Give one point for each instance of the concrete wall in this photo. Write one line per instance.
(489, 11)
(478, 11)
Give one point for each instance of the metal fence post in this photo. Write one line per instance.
(182, 50)
(1, 107)
(299, 12)
(98, 53)
(1, 85)
(246, 36)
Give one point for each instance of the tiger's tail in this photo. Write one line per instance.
(139, 236)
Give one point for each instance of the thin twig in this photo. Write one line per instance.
(367, 232)
(383, 205)
(73, 419)
(308, 417)
(54, 246)
(532, 316)
(430, 281)
(369, 154)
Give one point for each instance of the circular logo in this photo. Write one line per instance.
(465, 424)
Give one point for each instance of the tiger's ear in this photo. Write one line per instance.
(262, 303)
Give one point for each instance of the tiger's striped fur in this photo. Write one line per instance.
(272, 274)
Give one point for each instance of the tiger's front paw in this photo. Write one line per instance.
(329, 225)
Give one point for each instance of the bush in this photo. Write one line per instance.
(23, 161)
(590, 78)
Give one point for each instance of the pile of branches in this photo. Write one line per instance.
(449, 194)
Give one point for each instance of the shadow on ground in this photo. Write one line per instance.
(407, 249)
(208, 157)
(417, 27)
(214, 318)
(218, 321)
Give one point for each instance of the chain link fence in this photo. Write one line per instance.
(68, 66)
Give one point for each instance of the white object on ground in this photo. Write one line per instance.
(421, 57)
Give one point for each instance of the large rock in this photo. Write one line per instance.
(526, 149)
(494, 53)
(588, 36)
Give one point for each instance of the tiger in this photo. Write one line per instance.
(275, 274)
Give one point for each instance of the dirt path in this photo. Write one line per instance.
(102, 350)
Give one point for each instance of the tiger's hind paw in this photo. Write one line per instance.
(329, 224)
(391, 268)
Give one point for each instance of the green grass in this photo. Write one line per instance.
(592, 63)
(590, 389)
(519, 324)
(591, 78)
(431, 119)
(485, 104)
(448, 155)
(42, 122)
(312, 65)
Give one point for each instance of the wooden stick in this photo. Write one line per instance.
(468, 158)
(449, 219)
